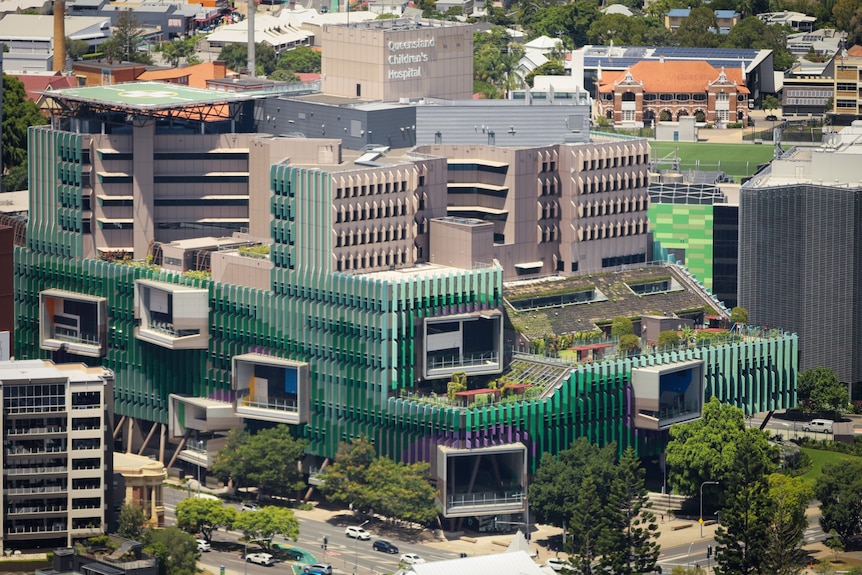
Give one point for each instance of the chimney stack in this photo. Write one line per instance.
(59, 35)
(252, 6)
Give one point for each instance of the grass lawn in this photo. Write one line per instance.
(819, 458)
(737, 160)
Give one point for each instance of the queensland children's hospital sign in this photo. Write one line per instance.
(407, 56)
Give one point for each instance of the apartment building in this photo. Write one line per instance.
(57, 462)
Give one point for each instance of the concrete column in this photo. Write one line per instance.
(143, 136)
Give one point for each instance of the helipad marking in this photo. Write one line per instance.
(148, 94)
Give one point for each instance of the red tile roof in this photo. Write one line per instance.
(673, 76)
(855, 51)
(38, 83)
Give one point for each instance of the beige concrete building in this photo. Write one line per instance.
(398, 58)
(56, 452)
(143, 479)
(557, 209)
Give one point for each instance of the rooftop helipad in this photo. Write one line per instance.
(148, 96)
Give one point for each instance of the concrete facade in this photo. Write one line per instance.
(800, 260)
(57, 464)
(398, 58)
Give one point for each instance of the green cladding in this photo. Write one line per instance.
(360, 333)
(686, 228)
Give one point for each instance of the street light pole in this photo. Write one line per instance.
(201, 452)
(356, 539)
(701, 503)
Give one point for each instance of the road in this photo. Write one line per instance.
(344, 554)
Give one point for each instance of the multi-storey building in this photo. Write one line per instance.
(57, 449)
(848, 82)
(648, 92)
(800, 260)
(383, 281)
(699, 225)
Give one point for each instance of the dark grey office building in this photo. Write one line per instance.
(800, 256)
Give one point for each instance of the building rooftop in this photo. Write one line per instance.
(147, 96)
(41, 28)
(673, 76)
(560, 305)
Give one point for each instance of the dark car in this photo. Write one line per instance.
(771, 118)
(385, 547)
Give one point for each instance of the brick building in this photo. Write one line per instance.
(651, 91)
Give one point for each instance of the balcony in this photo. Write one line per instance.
(485, 500)
(667, 394)
(73, 322)
(171, 315)
(271, 389)
(469, 343)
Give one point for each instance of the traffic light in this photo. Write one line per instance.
(708, 551)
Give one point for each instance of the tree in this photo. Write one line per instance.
(554, 492)
(176, 550)
(621, 326)
(789, 496)
(818, 389)
(835, 544)
(273, 455)
(343, 480)
(230, 463)
(745, 518)
(19, 113)
(699, 29)
(127, 35)
(549, 68)
(131, 522)
(668, 338)
(771, 103)
(705, 449)
(846, 15)
(752, 32)
(76, 48)
(628, 541)
(586, 525)
(629, 343)
(839, 489)
(301, 59)
(619, 29)
(739, 315)
(199, 515)
(495, 61)
(235, 56)
(263, 525)
(180, 49)
(569, 22)
(400, 491)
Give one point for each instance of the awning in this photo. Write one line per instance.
(529, 265)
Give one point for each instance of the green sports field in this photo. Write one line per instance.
(736, 160)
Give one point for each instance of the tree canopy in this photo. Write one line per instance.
(199, 515)
(176, 550)
(266, 460)
(396, 490)
(602, 502)
(127, 35)
(706, 449)
(818, 389)
(745, 517)
(19, 113)
(839, 490)
(263, 525)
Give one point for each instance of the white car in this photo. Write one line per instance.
(357, 533)
(260, 558)
(411, 559)
(204, 545)
(555, 564)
